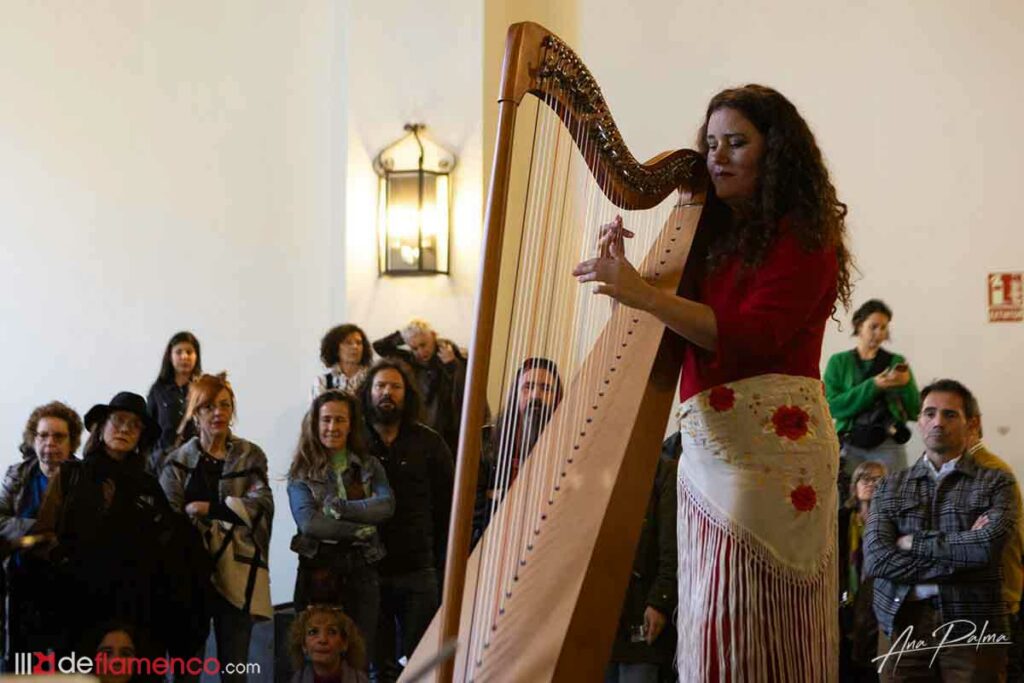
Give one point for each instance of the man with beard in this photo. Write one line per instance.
(934, 542)
(532, 400)
(420, 469)
(439, 368)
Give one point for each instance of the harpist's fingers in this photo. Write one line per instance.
(584, 267)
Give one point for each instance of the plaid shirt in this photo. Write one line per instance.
(965, 564)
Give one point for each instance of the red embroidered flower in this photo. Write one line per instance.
(722, 398)
(804, 498)
(790, 422)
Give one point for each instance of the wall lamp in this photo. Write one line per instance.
(414, 205)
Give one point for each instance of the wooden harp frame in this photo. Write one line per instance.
(562, 628)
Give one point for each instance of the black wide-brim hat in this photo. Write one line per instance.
(128, 402)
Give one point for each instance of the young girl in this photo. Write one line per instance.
(169, 393)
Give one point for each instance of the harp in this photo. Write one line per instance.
(540, 596)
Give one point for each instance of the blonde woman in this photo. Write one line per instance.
(326, 647)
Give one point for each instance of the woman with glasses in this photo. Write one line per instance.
(338, 495)
(106, 513)
(219, 481)
(51, 437)
(857, 624)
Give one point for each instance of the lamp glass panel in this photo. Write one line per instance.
(416, 239)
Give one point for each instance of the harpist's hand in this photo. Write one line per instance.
(618, 278)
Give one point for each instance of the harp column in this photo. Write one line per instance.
(468, 462)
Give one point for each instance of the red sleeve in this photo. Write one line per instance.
(783, 295)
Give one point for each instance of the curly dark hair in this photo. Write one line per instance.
(329, 345)
(866, 310)
(793, 180)
(166, 375)
(412, 408)
(52, 409)
(311, 459)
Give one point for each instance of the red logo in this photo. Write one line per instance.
(44, 658)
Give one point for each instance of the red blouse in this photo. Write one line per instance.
(771, 319)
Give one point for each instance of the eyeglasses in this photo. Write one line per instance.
(131, 424)
(56, 437)
(211, 407)
(870, 480)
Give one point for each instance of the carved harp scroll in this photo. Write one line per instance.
(556, 608)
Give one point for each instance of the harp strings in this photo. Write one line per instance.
(554, 318)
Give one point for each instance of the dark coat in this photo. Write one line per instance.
(166, 404)
(858, 626)
(110, 519)
(653, 579)
(421, 472)
(31, 621)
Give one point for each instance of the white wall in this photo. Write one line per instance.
(414, 62)
(915, 105)
(170, 165)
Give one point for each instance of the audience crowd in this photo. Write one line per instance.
(158, 535)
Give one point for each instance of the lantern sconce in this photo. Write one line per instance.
(414, 205)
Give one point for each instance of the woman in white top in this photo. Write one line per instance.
(347, 355)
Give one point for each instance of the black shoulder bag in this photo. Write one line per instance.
(873, 426)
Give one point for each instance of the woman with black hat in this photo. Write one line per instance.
(107, 515)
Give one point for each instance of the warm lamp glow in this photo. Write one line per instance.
(414, 207)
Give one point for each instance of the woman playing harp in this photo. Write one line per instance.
(756, 485)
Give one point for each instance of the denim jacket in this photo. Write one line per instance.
(322, 516)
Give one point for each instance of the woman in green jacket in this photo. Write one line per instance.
(872, 393)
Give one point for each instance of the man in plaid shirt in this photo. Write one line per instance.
(933, 543)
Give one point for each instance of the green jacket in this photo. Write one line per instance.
(849, 395)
